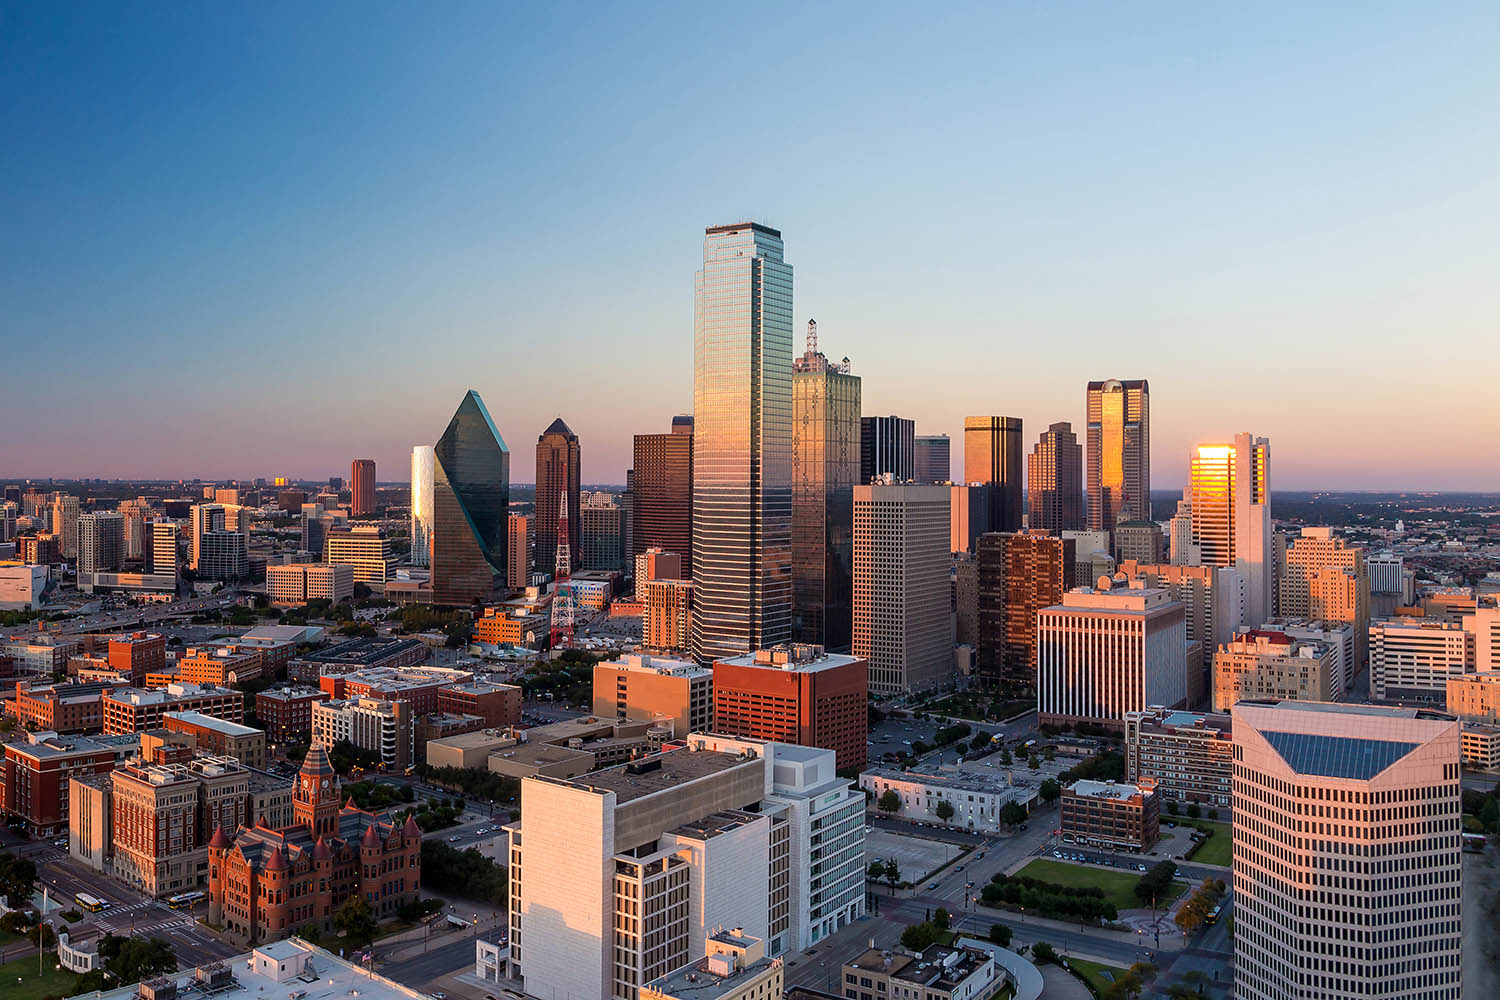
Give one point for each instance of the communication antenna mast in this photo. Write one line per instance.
(812, 337)
(562, 592)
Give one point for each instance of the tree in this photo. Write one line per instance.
(1006, 758)
(918, 937)
(1050, 753)
(1193, 810)
(1213, 814)
(1000, 934)
(1154, 883)
(1050, 791)
(944, 810)
(876, 871)
(1032, 762)
(1172, 808)
(890, 801)
(1043, 952)
(356, 921)
(18, 879)
(1013, 814)
(131, 960)
(892, 874)
(941, 919)
(919, 748)
(1489, 814)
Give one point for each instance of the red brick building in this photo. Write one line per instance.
(138, 654)
(264, 884)
(796, 693)
(62, 708)
(36, 776)
(417, 686)
(130, 710)
(498, 704)
(219, 665)
(285, 713)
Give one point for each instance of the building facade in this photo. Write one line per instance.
(362, 487)
(1415, 658)
(669, 615)
(294, 584)
(902, 625)
(1111, 815)
(796, 694)
(557, 476)
(1327, 578)
(640, 687)
(1229, 489)
(742, 443)
(471, 494)
(1347, 829)
(1054, 481)
(1187, 754)
(1119, 452)
(421, 504)
(520, 550)
(1261, 664)
(993, 455)
(664, 492)
(887, 447)
(932, 453)
(286, 712)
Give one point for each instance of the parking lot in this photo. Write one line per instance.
(917, 857)
(897, 736)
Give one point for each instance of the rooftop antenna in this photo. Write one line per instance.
(812, 336)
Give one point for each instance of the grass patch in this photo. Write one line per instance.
(1216, 849)
(1101, 977)
(51, 981)
(1118, 886)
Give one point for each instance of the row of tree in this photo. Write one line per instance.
(1191, 914)
(1048, 899)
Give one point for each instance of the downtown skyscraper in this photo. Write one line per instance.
(1119, 452)
(1229, 486)
(826, 443)
(362, 487)
(663, 493)
(471, 494)
(992, 454)
(742, 443)
(421, 505)
(557, 472)
(1054, 480)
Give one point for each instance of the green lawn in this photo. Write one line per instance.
(1216, 850)
(32, 986)
(1095, 973)
(1119, 886)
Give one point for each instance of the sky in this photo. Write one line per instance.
(259, 239)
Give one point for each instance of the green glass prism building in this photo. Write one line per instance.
(471, 494)
(742, 443)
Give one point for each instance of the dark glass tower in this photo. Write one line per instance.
(992, 454)
(557, 472)
(471, 493)
(887, 445)
(1054, 480)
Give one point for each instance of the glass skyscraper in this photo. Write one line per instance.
(421, 504)
(742, 443)
(1119, 452)
(471, 491)
(992, 454)
(825, 468)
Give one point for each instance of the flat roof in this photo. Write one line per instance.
(360, 650)
(629, 781)
(219, 725)
(694, 982)
(1103, 789)
(810, 664)
(731, 227)
(967, 781)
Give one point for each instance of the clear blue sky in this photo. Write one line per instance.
(261, 239)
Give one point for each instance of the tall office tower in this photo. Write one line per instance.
(992, 454)
(364, 547)
(1119, 447)
(965, 600)
(932, 458)
(317, 523)
(796, 692)
(902, 595)
(1412, 659)
(471, 491)
(1039, 570)
(1230, 489)
(362, 487)
(335, 483)
(664, 492)
(206, 517)
(1181, 551)
(1258, 664)
(421, 505)
(557, 471)
(1214, 598)
(989, 654)
(1102, 654)
(1140, 541)
(1484, 626)
(101, 542)
(8, 511)
(519, 551)
(657, 564)
(1327, 579)
(1054, 480)
(627, 520)
(218, 552)
(12, 495)
(65, 523)
(161, 556)
(1347, 853)
(742, 443)
(1387, 572)
(887, 446)
(134, 513)
(968, 514)
(825, 467)
(602, 536)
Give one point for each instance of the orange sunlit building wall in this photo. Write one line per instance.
(796, 693)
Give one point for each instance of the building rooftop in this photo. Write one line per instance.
(1337, 756)
(357, 651)
(716, 823)
(49, 745)
(292, 693)
(209, 722)
(963, 781)
(794, 656)
(664, 665)
(1104, 789)
(699, 981)
(168, 694)
(659, 772)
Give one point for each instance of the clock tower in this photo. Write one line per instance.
(315, 800)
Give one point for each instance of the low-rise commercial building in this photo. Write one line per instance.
(294, 584)
(734, 968)
(938, 973)
(1112, 815)
(796, 693)
(509, 626)
(1481, 746)
(219, 736)
(131, 710)
(1188, 754)
(61, 708)
(495, 704)
(1414, 658)
(35, 775)
(417, 686)
(138, 654)
(44, 653)
(642, 687)
(1475, 697)
(384, 728)
(976, 801)
(286, 712)
(220, 666)
(1258, 665)
(356, 654)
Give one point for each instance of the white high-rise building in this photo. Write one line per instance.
(1411, 659)
(1347, 843)
(65, 523)
(1102, 654)
(1386, 572)
(1230, 492)
(902, 623)
(101, 541)
(1180, 548)
(161, 555)
(618, 877)
(422, 457)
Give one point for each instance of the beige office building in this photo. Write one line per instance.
(1484, 626)
(1259, 664)
(1328, 578)
(1229, 494)
(1347, 829)
(294, 584)
(902, 619)
(735, 967)
(1414, 658)
(648, 688)
(364, 548)
(520, 549)
(1475, 697)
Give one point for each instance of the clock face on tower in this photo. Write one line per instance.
(325, 782)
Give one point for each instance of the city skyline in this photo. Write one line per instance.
(1194, 222)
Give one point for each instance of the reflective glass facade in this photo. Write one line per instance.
(1119, 452)
(421, 505)
(1054, 481)
(742, 443)
(825, 467)
(992, 454)
(471, 491)
(664, 493)
(557, 472)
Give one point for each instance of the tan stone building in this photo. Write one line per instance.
(1258, 664)
(734, 967)
(646, 688)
